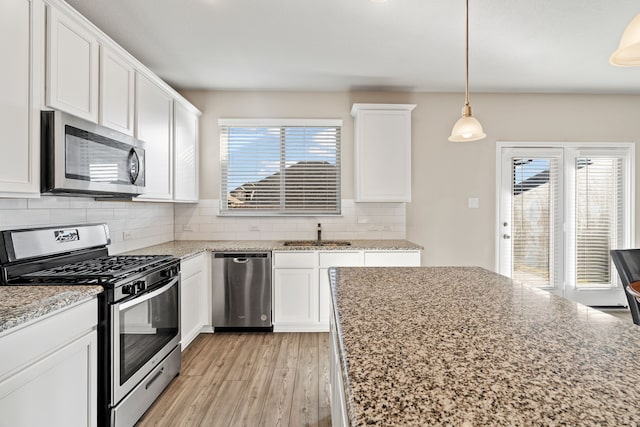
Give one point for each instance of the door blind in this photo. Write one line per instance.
(535, 208)
(283, 169)
(599, 224)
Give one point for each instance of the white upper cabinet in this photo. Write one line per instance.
(72, 66)
(186, 153)
(382, 152)
(154, 124)
(22, 21)
(117, 77)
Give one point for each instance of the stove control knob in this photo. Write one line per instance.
(140, 285)
(170, 272)
(129, 289)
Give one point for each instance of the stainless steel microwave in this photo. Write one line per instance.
(79, 157)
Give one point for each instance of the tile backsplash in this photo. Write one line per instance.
(132, 225)
(201, 221)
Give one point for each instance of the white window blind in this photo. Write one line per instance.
(599, 218)
(288, 167)
(535, 216)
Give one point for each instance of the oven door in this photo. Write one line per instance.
(144, 330)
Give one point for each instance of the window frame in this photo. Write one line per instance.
(275, 123)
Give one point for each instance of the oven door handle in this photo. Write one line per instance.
(145, 297)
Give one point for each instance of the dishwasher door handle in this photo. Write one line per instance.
(241, 260)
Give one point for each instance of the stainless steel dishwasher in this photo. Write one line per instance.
(241, 293)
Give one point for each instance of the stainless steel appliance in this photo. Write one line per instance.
(138, 312)
(241, 292)
(79, 157)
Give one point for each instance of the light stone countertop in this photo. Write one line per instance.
(464, 346)
(188, 248)
(22, 304)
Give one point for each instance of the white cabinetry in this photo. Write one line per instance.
(72, 65)
(117, 94)
(48, 374)
(382, 152)
(295, 291)
(333, 259)
(186, 153)
(154, 118)
(194, 297)
(21, 74)
(302, 295)
(392, 258)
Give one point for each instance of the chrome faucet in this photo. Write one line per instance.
(319, 232)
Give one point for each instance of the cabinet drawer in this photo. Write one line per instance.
(392, 259)
(294, 259)
(341, 259)
(191, 266)
(25, 345)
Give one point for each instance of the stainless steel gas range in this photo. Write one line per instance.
(138, 312)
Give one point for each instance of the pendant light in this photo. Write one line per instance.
(628, 53)
(467, 128)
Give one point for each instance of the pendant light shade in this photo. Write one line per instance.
(467, 128)
(628, 53)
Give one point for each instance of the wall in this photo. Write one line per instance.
(143, 223)
(444, 174)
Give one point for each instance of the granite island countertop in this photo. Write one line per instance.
(188, 248)
(22, 304)
(467, 347)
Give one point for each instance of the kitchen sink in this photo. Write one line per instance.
(315, 243)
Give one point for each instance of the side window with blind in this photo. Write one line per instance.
(280, 167)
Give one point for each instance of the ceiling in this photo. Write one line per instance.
(557, 46)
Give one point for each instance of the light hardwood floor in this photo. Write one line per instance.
(248, 379)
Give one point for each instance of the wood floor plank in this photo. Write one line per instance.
(248, 379)
(304, 407)
(324, 398)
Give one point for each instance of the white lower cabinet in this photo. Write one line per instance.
(194, 297)
(302, 296)
(48, 374)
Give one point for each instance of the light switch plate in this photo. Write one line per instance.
(474, 203)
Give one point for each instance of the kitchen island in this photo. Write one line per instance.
(465, 346)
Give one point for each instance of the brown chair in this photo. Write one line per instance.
(627, 262)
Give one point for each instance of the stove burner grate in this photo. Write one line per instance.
(102, 268)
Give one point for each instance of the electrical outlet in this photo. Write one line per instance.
(187, 227)
(386, 227)
(126, 235)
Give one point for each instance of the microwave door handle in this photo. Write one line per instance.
(134, 165)
(148, 296)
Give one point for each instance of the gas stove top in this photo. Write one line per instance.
(99, 270)
(70, 255)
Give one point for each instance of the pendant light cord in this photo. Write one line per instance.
(466, 102)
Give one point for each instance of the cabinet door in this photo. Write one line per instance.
(295, 296)
(72, 66)
(186, 154)
(194, 297)
(333, 259)
(19, 120)
(383, 152)
(191, 314)
(62, 386)
(117, 94)
(154, 117)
